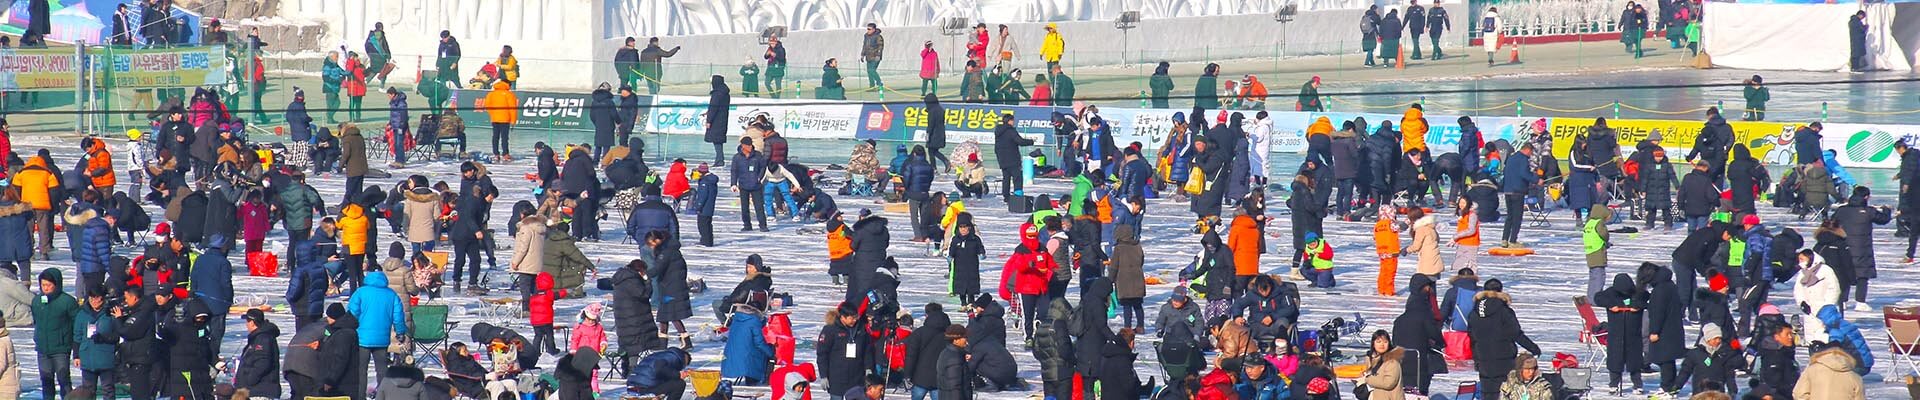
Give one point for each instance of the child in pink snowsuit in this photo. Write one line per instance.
(590, 334)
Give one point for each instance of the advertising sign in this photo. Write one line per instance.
(539, 110)
(1770, 142)
(1443, 131)
(677, 115)
(163, 68)
(964, 121)
(817, 121)
(27, 69)
(1869, 146)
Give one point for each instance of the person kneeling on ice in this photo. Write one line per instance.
(1320, 255)
(662, 373)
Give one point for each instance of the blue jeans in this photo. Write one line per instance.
(784, 190)
(1695, 223)
(927, 393)
(1321, 278)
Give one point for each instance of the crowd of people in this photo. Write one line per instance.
(150, 299)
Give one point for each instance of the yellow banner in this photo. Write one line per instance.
(29, 69)
(1768, 141)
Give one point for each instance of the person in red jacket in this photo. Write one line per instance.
(540, 311)
(1030, 268)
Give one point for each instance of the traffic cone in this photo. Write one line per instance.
(1513, 56)
(1400, 55)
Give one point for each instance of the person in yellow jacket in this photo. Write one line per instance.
(1053, 46)
(509, 67)
(36, 182)
(1413, 130)
(99, 164)
(353, 237)
(503, 110)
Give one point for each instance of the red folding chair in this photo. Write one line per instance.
(1592, 333)
(1903, 339)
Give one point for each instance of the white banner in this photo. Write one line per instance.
(687, 115)
(1866, 146)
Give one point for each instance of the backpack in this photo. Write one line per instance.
(1486, 24)
(1462, 302)
(1368, 26)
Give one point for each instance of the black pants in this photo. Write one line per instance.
(1516, 212)
(543, 336)
(1493, 373)
(56, 370)
(934, 153)
(1911, 221)
(301, 386)
(301, 321)
(501, 146)
(1665, 216)
(1010, 181)
(1030, 307)
(719, 155)
(99, 381)
(586, 218)
(295, 236)
(139, 381)
(353, 271)
(1667, 374)
(1343, 196)
(751, 199)
(353, 184)
(1133, 313)
(669, 390)
(706, 229)
(466, 258)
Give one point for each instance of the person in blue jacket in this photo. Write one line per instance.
(95, 330)
(307, 285)
(918, 178)
(93, 250)
(706, 192)
(16, 237)
(1516, 178)
(747, 353)
(212, 283)
(381, 315)
(1846, 334)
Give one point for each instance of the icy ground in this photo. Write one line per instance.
(1542, 285)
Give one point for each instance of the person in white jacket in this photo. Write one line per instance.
(1816, 287)
(15, 299)
(1490, 29)
(1259, 146)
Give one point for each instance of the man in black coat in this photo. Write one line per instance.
(1496, 335)
(956, 375)
(1698, 195)
(869, 243)
(633, 324)
(1712, 143)
(719, 102)
(1418, 331)
(1857, 41)
(1625, 305)
(1666, 328)
(1908, 201)
(342, 348)
(259, 370)
(137, 341)
(1006, 152)
(626, 64)
(605, 115)
(1416, 25)
(190, 354)
(924, 346)
(1383, 158)
(937, 132)
(843, 350)
(749, 170)
(1806, 144)
(1656, 183)
(1857, 219)
(578, 179)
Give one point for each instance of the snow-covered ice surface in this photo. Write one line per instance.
(1542, 285)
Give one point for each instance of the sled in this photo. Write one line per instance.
(1510, 251)
(705, 381)
(1350, 371)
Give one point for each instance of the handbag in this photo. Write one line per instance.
(1196, 181)
(1459, 345)
(385, 70)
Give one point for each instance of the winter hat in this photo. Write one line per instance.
(162, 229)
(1180, 293)
(592, 311)
(1494, 285)
(1231, 364)
(973, 158)
(1318, 386)
(1716, 281)
(1179, 117)
(1311, 237)
(864, 213)
(1709, 331)
(983, 300)
(756, 262)
(963, 219)
(336, 311)
(299, 94)
(1655, 136)
(1750, 220)
(395, 250)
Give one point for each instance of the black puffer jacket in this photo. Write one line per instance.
(719, 103)
(1090, 331)
(1418, 330)
(1857, 218)
(633, 322)
(1051, 344)
(924, 346)
(869, 242)
(1664, 314)
(988, 324)
(1496, 333)
(578, 175)
(1744, 178)
(956, 374)
(1698, 196)
(259, 370)
(1383, 156)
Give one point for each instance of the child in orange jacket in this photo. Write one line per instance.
(1386, 243)
(1467, 237)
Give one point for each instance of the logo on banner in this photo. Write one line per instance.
(880, 119)
(1872, 146)
(546, 106)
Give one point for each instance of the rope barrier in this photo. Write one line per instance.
(1374, 107)
(1596, 108)
(1681, 112)
(1852, 111)
(1502, 106)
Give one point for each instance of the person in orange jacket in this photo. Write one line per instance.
(503, 110)
(1466, 236)
(1386, 243)
(36, 182)
(839, 249)
(1253, 94)
(1244, 238)
(99, 164)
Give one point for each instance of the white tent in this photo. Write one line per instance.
(1808, 37)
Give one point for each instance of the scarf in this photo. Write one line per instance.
(1809, 275)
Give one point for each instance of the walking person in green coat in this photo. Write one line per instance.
(1062, 87)
(750, 79)
(1205, 96)
(1161, 84)
(1757, 95)
(53, 314)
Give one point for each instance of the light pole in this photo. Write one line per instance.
(953, 29)
(1127, 21)
(1283, 16)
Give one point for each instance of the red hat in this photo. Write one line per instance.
(1717, 282)
(1223, 117)
(974, 157)
(1318, 385)
(1316, 79)
(162, 229)
(1750, 220)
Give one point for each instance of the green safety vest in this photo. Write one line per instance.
(1590, 236)
(1313, 256)
(1736, 253)
(1722, 216)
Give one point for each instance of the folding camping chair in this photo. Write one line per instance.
(430, 327)
(1903, 339)
(1592, 333)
